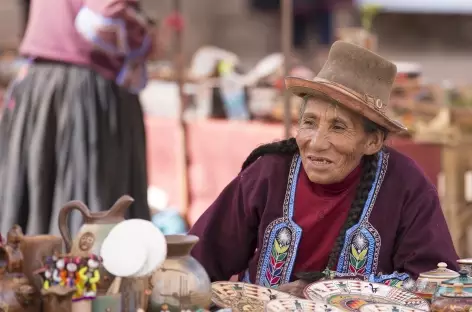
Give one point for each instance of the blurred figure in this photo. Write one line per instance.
(316, 15)
(74, 128)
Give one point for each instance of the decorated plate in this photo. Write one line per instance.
(383, 307)
(242, 297)
(351, 295)
(299, 305)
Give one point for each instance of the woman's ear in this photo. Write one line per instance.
(374, 143)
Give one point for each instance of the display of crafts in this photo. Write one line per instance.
(299, 305)
(382, 307)
(80, 273)
(242, 297)
(351, 295)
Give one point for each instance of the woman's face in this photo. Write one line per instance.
(332, 141)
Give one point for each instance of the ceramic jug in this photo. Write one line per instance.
(95, 229)
(181, 283)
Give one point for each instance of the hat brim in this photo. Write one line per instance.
(302, 87)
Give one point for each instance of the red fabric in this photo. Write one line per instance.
(321, 210)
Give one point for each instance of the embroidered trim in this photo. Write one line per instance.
(281, 238)
(360, 253)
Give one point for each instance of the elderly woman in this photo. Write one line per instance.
(334, 198)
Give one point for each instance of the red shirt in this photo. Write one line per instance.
(321, 210)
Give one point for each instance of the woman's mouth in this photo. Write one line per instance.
(319, 161)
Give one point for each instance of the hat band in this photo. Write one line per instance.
(369, 100)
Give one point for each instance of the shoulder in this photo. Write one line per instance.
(406, 176)
(267, 166)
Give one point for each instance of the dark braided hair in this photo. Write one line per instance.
(369, 169)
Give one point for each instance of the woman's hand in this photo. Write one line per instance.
(294, 288)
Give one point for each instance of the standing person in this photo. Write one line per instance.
(72, 132)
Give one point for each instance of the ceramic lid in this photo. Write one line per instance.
(458, 292)
(465, 261)
(442, 272)
(463, 279)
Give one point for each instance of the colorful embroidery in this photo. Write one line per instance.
(362, 243)
(278, 256)
(281, 238)
(360, 253)
(358, 256)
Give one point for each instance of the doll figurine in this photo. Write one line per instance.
(82, 279)
(71, 268)
(93, 276)
(59, 274)
(48, 280)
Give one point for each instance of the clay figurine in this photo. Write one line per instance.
(16, 292)
(60, 274)
(93, 276)
(71, 268)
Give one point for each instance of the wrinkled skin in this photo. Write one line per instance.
(335, 135)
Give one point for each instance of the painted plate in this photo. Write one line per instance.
(299, 305)
(383, 307)
(242, 297)
(351, 295)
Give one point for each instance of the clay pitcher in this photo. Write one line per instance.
(95, 229)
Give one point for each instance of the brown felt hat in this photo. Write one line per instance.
(355, 78)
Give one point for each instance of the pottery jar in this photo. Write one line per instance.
(454, 300)
(181, 283)
(427, 282)
(448, 285)
(465, 264)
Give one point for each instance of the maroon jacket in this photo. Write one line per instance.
(402, 231)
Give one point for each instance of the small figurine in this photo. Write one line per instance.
(79, 279)
(71, 268)
(48, 280)
(93, 276)
(59, 274)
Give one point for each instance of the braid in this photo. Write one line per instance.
(369, 169)
(285, 147)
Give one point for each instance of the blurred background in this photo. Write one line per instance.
(216, 90)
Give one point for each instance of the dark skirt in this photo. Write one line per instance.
(69, 135)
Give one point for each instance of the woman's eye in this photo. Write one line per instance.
(339, 127)
(309, 122)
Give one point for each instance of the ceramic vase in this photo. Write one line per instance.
(181, 283)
